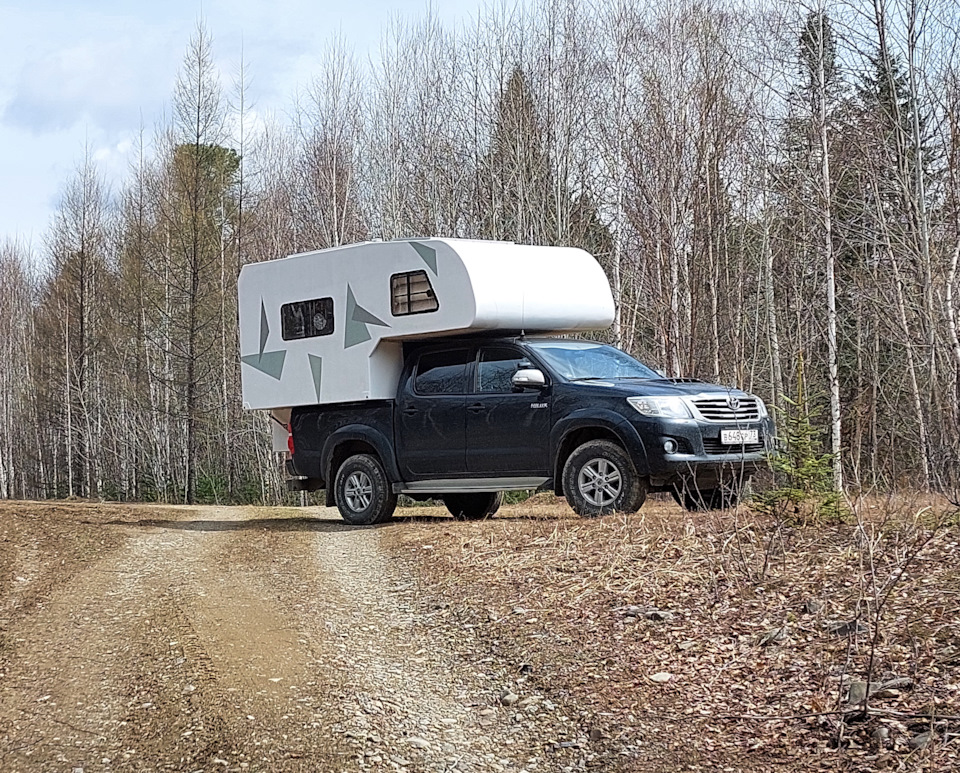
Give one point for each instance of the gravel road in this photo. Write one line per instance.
(242, 639)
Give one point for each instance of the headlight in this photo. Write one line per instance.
(662, 407)
(761, 408)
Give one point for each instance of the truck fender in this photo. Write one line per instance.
(366, 434)
(592, 418)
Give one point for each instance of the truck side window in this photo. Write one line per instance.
(442, 373)
(496, 368)
(306, 319)
(412, 293)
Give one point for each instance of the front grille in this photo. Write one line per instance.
(718, 408)
(713, 446)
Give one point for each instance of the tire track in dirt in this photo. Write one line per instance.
(399, 691)
(414, 704)
(160, 656)
(416, 693)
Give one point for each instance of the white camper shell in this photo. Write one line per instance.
(327, 326)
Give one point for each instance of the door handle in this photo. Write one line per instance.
(476, 408)
(409, 411)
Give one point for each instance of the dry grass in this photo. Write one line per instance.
(556, 592)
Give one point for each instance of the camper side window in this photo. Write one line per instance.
(306, 319)
(412, 293)
(443, 373)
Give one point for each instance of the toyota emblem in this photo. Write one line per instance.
(733, 402)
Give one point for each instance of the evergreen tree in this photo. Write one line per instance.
(519, 198)
(516, 179)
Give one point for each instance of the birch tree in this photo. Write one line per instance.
(818, 57)
(73, 306)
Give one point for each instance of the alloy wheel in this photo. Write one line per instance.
(600, 482)
(358, 491)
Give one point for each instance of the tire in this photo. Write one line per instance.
(473, 507)
(599, 478)
(362, 491)
(701, 500)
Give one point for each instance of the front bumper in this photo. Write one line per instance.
(700, 457)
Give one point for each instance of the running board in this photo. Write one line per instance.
(469, 485)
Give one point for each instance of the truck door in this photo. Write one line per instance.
(507, 431)
(431, 426)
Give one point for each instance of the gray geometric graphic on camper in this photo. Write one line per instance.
(316, 369)
(270, 363)
(264, 327)
(357, 318)
(428, 254)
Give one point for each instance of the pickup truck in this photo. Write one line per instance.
(474, 417)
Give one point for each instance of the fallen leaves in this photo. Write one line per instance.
(767, 627)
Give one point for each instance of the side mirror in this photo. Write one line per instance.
(529, 378)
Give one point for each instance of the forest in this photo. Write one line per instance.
(772, 189)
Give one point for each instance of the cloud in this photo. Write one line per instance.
(97, 81)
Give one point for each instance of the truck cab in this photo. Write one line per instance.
(476, 416)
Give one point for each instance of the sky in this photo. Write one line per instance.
(89, 74)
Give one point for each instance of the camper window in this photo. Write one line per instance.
(411, 293)
(306, 319)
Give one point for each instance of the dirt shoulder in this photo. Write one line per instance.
(722, 641)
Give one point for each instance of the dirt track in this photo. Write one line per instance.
(234, 639)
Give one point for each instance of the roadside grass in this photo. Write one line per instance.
(728, 637)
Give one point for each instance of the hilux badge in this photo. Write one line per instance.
(733, 402)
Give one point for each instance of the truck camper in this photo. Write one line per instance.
(434, 368)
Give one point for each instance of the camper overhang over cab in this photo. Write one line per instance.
(328, 326)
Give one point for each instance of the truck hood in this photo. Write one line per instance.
(629, 387)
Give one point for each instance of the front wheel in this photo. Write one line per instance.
(599, 478)
(362, 491)
(473, 507)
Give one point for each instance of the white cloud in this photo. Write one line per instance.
(103, 78)
(89, 73)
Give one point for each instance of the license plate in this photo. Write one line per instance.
(736, 437)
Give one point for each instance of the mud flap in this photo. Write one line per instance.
(304, 484)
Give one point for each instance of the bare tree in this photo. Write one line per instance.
(328, 122)
(198, 173)
(73, 306)
(17, 417)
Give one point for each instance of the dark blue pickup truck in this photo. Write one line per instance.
(474, 417)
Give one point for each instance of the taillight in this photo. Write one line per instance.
(290, 438)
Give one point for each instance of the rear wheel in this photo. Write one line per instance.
(362, 491)
(473, 507)
(599, 478)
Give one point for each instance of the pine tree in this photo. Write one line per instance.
(803, 472)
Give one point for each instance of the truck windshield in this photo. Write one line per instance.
(585, 360)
